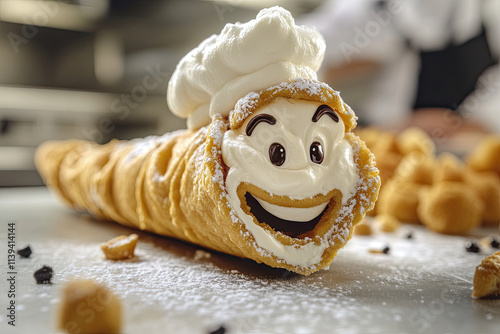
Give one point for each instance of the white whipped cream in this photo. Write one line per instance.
(245, 57)
(293, 214)
(298, 177)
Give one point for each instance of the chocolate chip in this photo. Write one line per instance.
(494, 243)
(24, 252)
(472, 247)
(384, 250)
(220, 330)
(43, 275)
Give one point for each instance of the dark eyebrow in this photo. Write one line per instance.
(257, 119)
(325, 110)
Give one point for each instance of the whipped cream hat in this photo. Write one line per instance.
(243, 58)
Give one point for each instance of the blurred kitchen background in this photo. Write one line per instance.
(98, 69)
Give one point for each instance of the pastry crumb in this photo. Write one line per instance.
(363, 228)
(490, 242)
(200, 254)
(487, 277)
(103, 308)
(121, 247)
(384, 250)
(387, 222)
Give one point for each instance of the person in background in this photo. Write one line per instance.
(430, 63)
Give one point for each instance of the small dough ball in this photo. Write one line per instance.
(387, 223)
(416, 140)
(486, 156)
(487, 186)
(487, 277)
(449, 168)
(450, 207)
(88, 307)
(400, 199)
(363, 228)
(369, 135)
(387, 162)
(386, 142)
(121, 247)
(416, 168)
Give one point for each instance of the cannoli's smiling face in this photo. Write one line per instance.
(289, 166)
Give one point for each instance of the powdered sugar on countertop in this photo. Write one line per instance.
(168, 284)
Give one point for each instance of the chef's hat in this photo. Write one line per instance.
(245, 57)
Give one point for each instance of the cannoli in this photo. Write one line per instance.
(276, 176)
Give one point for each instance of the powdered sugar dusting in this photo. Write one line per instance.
(171, 283)
(321, 91)
(142, 146)
(244, 106)
(428, 277)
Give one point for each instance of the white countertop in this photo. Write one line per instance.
(422, 286)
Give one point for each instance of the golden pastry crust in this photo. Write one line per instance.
(175, 186)
(450, 208)
(48, 160)
(89, 307)
(487, 277)
(299, 90)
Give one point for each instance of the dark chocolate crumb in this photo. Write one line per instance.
(220, 330)
(472, 247)
(24, 252)
(494, 243)
(386, 250)
(409, 235)
(43, 275)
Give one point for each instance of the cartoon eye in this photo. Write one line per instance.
(277, 154)
(316, 152)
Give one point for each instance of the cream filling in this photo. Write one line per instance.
(244, 57)
(298, 178)
(292, 214)
(310, 253)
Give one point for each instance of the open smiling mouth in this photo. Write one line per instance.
(294, 218)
